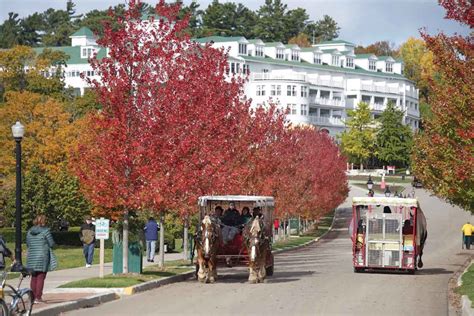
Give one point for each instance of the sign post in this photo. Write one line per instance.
(101, 233)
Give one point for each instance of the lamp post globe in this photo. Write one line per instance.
(18, 131)
(387, 192)
(370, 183)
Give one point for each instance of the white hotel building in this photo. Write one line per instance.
(318, 84)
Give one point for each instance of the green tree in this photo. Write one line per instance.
(394, 139)
(358, 141)
(381, 48)
(295, 21)
(10, 31)
(325, 29)
(271, 24)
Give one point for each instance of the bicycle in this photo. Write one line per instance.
(20, 300)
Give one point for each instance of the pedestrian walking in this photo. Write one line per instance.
(151, 236)
(87, 236)
(40, 257)
(467, 233)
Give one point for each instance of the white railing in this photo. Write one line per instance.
(326, 101)
(377, 106)
(412, 111)
(331, 121)
(327, 83)
(277, 76)
(381, 89)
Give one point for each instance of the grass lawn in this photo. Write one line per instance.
(68, 257)
(391, 179)
(467, 287)
(293, 241)
(121, 280)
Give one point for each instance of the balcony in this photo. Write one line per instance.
(278, 76)
(326, 101)
(326, 82)
(326, 121)
(413, 112)
(377, 106)
(380, 89)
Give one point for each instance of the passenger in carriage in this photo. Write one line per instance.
(387, 210)
(407, 227)
(245, 217)
(256, 212)
(218, 210)
(231, 216)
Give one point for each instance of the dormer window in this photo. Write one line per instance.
(317, 58)
(242, 49)
(295, 55)
(389, 67)
(349, 62)
(280, 53)
(372, 65)
(87, 52)
(335, 60)
(259, 51)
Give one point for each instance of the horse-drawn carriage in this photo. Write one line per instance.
(245, 243)
(387, 234)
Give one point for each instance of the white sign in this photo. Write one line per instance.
(102, 228)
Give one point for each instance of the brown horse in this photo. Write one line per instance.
(258, 248)
(207, 242)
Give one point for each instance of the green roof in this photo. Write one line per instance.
(84, 31)
(337, 42)
(273, 44)
(364, 56)
(254, 41)
(304, 64)
(218, 39)
(387, 57)
(329, 50)
(74, 53)
(291, 46)
(308, 49)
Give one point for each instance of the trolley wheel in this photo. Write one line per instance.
(358, 270)
(269, 270)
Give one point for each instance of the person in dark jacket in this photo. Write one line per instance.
(151, 236)
(87, 236)
(39, 242)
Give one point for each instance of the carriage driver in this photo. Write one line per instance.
(231, 215)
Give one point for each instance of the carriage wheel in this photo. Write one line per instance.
(358, 270)
(269, 270)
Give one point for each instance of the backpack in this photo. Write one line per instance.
(88, 236)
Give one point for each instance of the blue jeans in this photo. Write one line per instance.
(467, 241)
(150, 249)
(88, 250)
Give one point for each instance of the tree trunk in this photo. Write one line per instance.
(125, 243)
(185, 238)
(361, 165)
(161, 263)
(299, 225)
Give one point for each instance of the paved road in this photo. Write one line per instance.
(319, 280)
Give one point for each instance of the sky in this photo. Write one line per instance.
(362, 21)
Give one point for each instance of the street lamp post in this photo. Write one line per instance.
(370, 185)
(18, 130)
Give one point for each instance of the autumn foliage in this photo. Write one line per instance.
(444, 151)
(174, 126)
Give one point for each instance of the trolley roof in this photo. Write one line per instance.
(259, 200)
(395, 201)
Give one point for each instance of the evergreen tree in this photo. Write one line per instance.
(325, 29)
(394, 139)
(271, 24)
(10, 31)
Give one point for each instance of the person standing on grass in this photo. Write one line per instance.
(87, 236)
(151, 236)
(39, 257)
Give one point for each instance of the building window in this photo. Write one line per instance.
(259, 51)
(87, 52)
(304, 91)
(275, 90)
(335, 60)
(292, 108)
(260, 90)
(372, 65)
(246, 69)
(232, 68)
(242, 49)
(295, 55)
(237, 67)
(280, 54)
(389, 67)
(349, 62)
(304, 109)
(317, 59)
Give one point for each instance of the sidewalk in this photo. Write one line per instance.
(54, 296)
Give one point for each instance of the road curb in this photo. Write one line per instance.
(153, 284)
(80, 303)
(462, 305)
